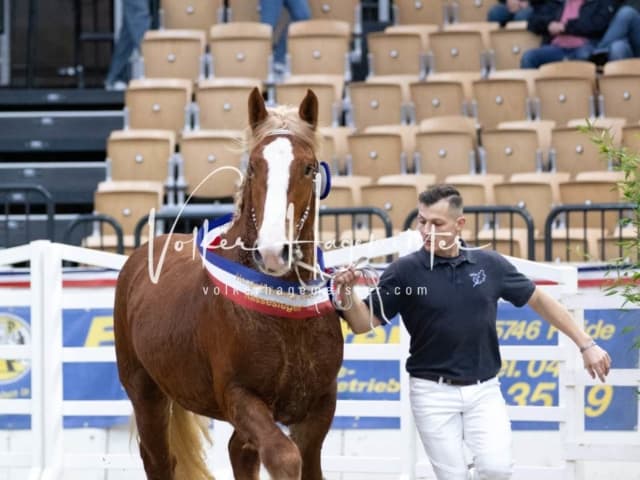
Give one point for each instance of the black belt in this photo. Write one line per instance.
(456, 382)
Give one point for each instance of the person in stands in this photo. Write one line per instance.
(570, 29)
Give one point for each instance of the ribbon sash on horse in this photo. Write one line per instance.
(258, 291)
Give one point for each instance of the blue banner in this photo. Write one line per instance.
(532, 382)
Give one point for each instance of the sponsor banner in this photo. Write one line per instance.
(532, 382)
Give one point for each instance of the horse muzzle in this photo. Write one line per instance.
(273, 260)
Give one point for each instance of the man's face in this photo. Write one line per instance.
(439, 226)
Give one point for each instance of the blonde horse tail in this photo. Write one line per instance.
(186, 431)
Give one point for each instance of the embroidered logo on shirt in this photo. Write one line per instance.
(478, 278)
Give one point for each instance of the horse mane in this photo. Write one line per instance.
(281, 117)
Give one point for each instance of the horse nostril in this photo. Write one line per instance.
(286, 253)
(257, 256)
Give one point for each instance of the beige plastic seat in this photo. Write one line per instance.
(127, 202)
(573, 151)
(485, 28)
(536, 198)
(375, 154)
(349, 11)
(319, 47)
(620, 95)
(174, 54)
(542, 127)
(410, 12)
(339, 148)
(222, 103)
(354, 183)
(453, 123)
(529, 75)
(243, 10)
(454, 51)
(203, 151)
(565, 90)
(627, 66)
(510, 151)
(436, 98)
(485, 180)
(613, 125)
(569, 68)
(445, 153)
(240, 49)
(162, 104)
(507, 241)
(500, 100)
(419, 181)
(327, 88)
(332, 228)
(422, 29)
(375, 104)
(408, 135)
(396, 53)
(554, 179)
(141, 155)
(397, 200)
(631, 137)
(470, 10)
(508, 45)
(191, 14)
(564, 98)
(591, 190)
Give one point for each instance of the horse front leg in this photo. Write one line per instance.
(244, 458)
(256, 428)
(311, 432)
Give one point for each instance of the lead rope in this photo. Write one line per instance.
(368, 273)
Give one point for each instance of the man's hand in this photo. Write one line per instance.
(555, 28)
(597, 362)
(344, 281)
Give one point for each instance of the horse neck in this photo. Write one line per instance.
(240, 234)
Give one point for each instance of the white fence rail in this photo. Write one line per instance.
(48, 458)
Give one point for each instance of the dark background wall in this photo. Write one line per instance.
(53, 42)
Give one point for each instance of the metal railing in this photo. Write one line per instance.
(562, 215)
(93, 223)
(486, 220)
(20, 204)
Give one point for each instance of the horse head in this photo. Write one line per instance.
(282, 184)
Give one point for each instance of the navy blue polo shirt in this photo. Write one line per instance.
(450, 310)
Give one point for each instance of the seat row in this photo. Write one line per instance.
(505, 96)
(440, 147)
(202, 14)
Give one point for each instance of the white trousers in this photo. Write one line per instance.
(476, 415)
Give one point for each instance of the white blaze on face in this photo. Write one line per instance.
(272, 235)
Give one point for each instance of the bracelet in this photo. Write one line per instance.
(588, 346)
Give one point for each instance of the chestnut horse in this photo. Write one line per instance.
(184, 354)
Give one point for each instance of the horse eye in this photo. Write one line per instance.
(309, 169)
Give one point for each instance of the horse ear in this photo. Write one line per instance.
(257, 110)
(309, 109)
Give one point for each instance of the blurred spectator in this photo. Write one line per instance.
(136, 20)
(270, 11)
(570, 29)
(509, 11)
(622, 38)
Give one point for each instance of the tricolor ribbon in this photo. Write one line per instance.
(255, 290)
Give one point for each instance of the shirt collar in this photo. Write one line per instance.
(465, 255)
